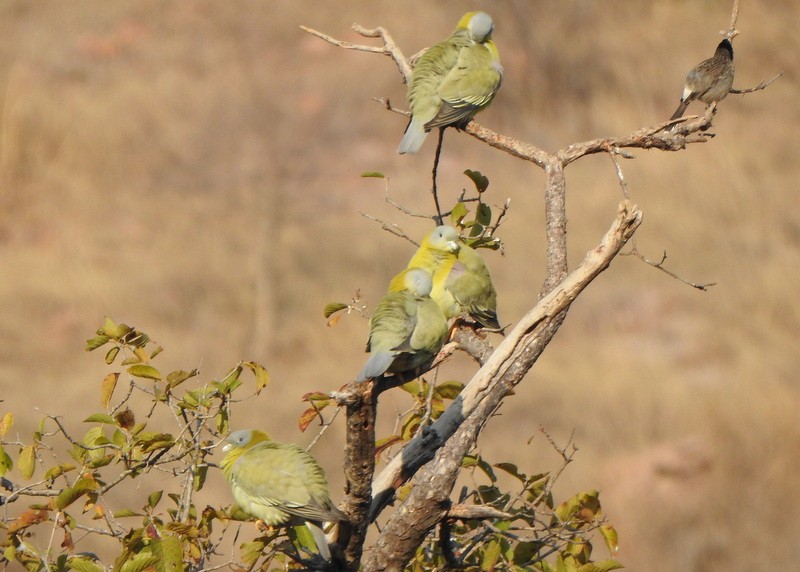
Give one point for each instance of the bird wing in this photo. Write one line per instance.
(270, 472)
(431, 328)
(431, 68)
(470, 285)
(285, 477)
(468, 87)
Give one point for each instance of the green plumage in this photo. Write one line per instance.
(407, 329)
(453, 80)
(461, 283)
(278, 483)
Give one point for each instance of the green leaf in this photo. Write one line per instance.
(333, 307)
(84, 564)
(153, 441)
(603, 566)
(200, 477)
(111, 355)
(511, 469)
(231, 381)
(96, 342)
(491, 554)
(525, 551)
(144, 371)
(222, 421)
(26, 463)
(251, 551)
(108, 328)
(373, 175)
(303, 537)
(58, 470)
(479, 179)
(458, 213)
(177, 377)
(319, 399)
(410, 427)
(5, 462)
(95, 437)
(472, 461)
(585, 505)
(413, 388)
(483, 215)
(153, 498)
(169, 550)
(122, 513)
(140, 561)
(100, 418)
(448, 389)
(382, 444)
(71, 494)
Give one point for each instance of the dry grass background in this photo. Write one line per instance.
(192, 168)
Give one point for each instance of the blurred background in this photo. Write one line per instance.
(192, 169)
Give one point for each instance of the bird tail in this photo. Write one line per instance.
(680, 110)
(486, 318)
(413, 138)
(376, 365)
(319, 540)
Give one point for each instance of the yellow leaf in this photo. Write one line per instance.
(26, 463)
(262, 375)
(610, 536)
(107, 388)
(5, 423)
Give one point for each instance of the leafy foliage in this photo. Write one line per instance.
(168, 530)
(123, 444)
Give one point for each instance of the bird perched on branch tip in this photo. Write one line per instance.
(710, 80)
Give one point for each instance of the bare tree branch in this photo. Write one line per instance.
(763, 85)
(512, 354)
(433, 457)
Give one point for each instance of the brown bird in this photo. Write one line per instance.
(710, 80)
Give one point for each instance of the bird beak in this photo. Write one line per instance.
(454, 247)
(227, 448)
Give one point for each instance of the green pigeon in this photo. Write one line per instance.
(407, 329)
(453, 80)
(279, 483)
(461, 281)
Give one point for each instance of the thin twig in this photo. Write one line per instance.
(388, 106)
(342, 43)
(732, 32)
(434, 190)
(763, 85)
(324, 428)
(613, 152)
(389, 227)
(660, 266)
